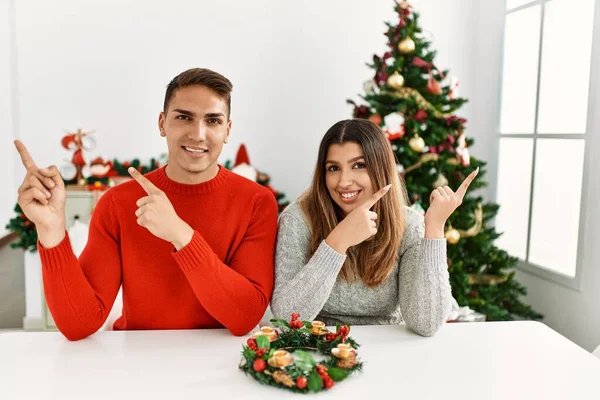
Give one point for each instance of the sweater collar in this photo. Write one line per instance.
(160, 178)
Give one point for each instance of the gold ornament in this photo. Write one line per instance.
(440, 181)
(404, 5)
(283, 378)
(476, 228)
(395, 81)
(424, 158)
(407, 92)
(406, 46)
(267, 331)
(417, 143)
(318, 327)
(346, 363)
(452, 236)
(486, 279)
(280, 358)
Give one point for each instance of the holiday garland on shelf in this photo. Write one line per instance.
(280, 358)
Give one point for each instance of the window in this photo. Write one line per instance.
(543, 133)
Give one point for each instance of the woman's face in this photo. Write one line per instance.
(346, 176)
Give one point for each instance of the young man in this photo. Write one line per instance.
(191, 243)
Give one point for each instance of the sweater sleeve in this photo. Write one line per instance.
(80, 293)
(425, 294)
(236, 295)
(302, 287)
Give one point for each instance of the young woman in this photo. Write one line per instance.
(350, 250)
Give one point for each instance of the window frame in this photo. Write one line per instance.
(540, 271)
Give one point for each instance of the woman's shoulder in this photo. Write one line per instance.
(414, 218)
(293, 214)
(293, 222)
(415, 228)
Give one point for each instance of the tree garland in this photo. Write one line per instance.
(280, 358)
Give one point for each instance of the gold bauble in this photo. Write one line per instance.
(395, 81)
(406, 46)
(417, 144)
(452, 236)
(440, 181)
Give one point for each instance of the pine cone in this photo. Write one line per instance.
(348, 362)
(283, 378)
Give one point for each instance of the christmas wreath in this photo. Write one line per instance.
(281, 358)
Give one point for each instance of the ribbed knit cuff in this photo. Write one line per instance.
(54, 258)
(192, 255)
(329, 260)
(433, 252)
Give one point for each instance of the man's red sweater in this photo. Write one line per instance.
(222, 278)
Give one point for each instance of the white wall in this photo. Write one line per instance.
(8, 192)
(104, 65)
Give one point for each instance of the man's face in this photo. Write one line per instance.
(196, 126)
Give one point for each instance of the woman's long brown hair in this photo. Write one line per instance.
(373, 260)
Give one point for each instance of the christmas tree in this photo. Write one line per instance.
(415, 103)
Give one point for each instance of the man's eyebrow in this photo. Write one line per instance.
(185, 112)
(214, 115)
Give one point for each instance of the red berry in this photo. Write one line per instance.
(260, 352)
(259, 365)
(251, 342)
(320, 369)
(301, 382)
(295, 316)
(329, 383)
(296, 324)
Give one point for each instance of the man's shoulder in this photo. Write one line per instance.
(245, 188)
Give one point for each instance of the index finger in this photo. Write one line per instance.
(462, 190)
(143, 181)
(26, 158)
(375, 197)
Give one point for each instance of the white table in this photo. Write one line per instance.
(514, 360)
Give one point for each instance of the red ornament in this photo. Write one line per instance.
(252, 344)
(301, 382)
(328, 383)
(259, 365)
(433, 86)
(376, 119)
(420, 115)
(419, 62)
